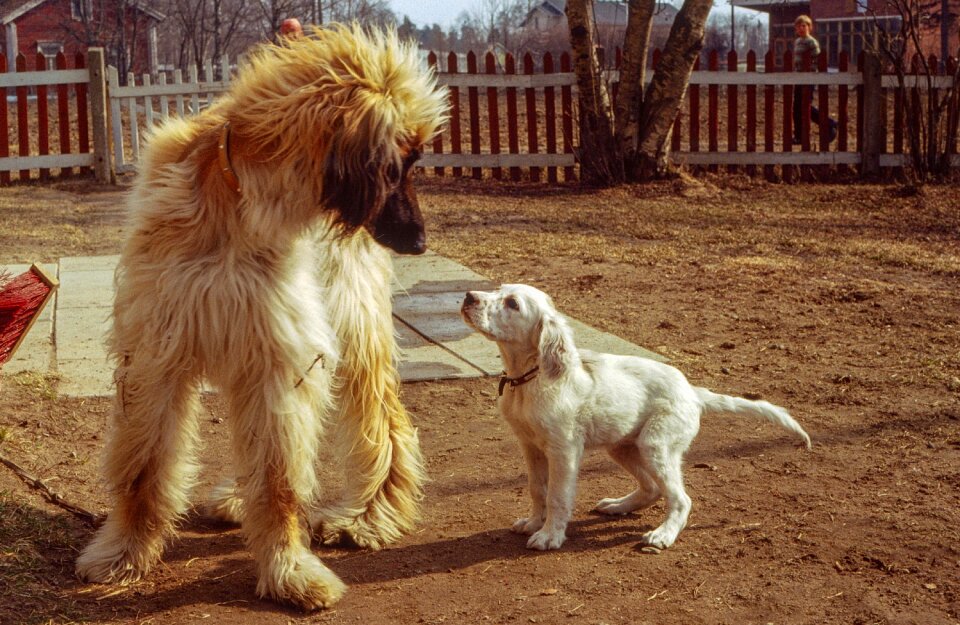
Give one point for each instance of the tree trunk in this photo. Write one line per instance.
(632, 74)
(600, 159)
(662, 100)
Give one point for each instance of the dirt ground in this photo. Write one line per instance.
(841, 303)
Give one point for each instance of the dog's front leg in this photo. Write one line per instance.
(537, 485)
(563, 464)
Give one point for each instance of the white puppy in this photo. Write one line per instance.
(560, 400)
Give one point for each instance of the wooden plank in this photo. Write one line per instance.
(843, 96)
(513, 131)
(493, 113)
(773, 78)
(148, 105)
(178, 96)
(694, 91)
(49, 77)
(533, 139)
(455, 140)
(23, 124)
(497, 160)
(116, 124)
(4, 123)
(520, 81)
(164, 103)
(550, 116)
(134, 119)
(769, 108)
(195, 95)
(43, 116)
(733, 114)
(13, 163)
(103, 164)
(889, 81)
(713, 112)
(763, 158)
(63, 114)
(751, 129)
(787, 136)
(473, 107)
(170, 89)
(566, 108)
(438, 139)
(83, 118)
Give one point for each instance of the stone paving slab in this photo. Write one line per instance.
(435, 344)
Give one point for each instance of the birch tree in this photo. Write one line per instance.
(631, 143)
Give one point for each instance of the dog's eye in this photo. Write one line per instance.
(511, 302)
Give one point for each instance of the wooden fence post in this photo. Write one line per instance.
(102, 160)
(872, 124)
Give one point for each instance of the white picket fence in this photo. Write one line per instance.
(149, 103)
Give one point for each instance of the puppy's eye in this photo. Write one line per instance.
(511, 302)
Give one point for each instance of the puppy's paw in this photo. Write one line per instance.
(527, 526)
(658, 538)
(544, 540)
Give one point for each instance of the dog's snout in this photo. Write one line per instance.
(470, 299)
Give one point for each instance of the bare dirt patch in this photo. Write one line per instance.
(838, 302)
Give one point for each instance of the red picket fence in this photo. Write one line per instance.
(538, 139)
(32, 118)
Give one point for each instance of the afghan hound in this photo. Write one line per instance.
(560, 400)
(256, 260)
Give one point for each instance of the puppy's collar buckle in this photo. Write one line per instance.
(518, 381)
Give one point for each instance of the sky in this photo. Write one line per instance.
(423, 12)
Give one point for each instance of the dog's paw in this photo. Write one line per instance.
(108, 560)
(302, 581)
(332, 530)
(224, 504)
(658, 538)
(544, 540)
(526, 526)
(613, 506)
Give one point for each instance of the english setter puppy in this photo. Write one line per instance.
(560, 400)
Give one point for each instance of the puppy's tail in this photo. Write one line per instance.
(714, 402)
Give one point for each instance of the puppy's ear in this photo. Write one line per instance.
(557, 350)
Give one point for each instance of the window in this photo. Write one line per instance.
(49, 49)
(81, 9)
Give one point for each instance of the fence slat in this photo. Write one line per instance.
(533, 138)
(566, 108)
(513, 137)
(438, 139)
(147, 104)
(493, 113)
(842, 103)
(4, 123)
(473, 103)
(455, 140)
(134, 122)
(194, 97)
(43, 116)
(178, 80)
(733, 114)
(787, 136)
(768, 115)
(713, 110)
(550, 116)
(695, 112)
(63, 114)
(164, 104)
(83, 114)
(751, 129)
(23, 124)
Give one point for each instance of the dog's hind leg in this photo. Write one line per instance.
(647, 491)
(276, 432)
(376, 439)
(664, 464)
(149, 467)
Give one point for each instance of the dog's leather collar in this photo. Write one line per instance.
(223, 158)
(518, 381)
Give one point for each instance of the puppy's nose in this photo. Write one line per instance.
(470, 299)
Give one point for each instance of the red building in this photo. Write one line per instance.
(126, 29)
(846, 24)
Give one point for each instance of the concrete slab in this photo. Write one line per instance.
(435, 343)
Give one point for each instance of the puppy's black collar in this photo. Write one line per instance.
(518, 381)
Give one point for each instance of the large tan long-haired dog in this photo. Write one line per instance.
(256, 260)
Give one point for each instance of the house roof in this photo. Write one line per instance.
(12, 10)
(606, 12)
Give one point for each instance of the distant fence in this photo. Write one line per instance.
(509, 120)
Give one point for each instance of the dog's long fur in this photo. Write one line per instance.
(279, 295)
(560, 400)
